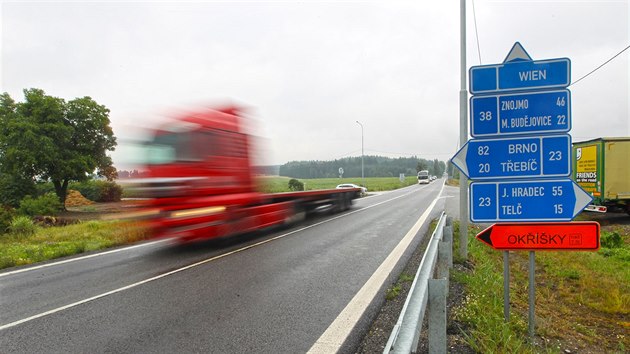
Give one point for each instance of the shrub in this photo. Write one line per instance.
(44, 188)
(98, 191)
(296, 185)
(6, 215)
(611, 240)
(22, 225)
(110, 192)
(14, 189)
(87, 189)
(47, 204)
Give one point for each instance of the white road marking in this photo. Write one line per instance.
(82, 257)
(337, 333)
(74, 304)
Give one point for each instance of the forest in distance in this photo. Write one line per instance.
(373, 166)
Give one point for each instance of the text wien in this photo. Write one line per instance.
(533, 75)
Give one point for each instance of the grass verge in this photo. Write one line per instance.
(582, 300)
(53, 242)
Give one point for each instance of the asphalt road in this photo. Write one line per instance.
(270, 292)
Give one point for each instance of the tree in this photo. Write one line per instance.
(438, 168)
(422, 165)
(296, 185)
(47, 138)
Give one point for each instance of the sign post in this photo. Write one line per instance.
(520, 161)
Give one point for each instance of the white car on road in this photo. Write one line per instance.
(352, 185)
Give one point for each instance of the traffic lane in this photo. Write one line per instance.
(451, 194)
(28, 293)
(278, 297)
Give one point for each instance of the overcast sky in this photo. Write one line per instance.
(309, 69)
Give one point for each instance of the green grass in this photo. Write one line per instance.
(483, 305)
(276, 184)
(393, 292)
(53, 242)
(579, 297)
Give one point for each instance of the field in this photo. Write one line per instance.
(276, 184)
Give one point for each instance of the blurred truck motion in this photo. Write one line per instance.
(200, 182)
(602, 168)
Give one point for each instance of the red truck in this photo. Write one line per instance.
(201, 183)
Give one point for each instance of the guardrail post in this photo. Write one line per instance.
(437, 316)
(445, 249)
(447, 236)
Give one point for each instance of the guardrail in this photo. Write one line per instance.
(427, 291)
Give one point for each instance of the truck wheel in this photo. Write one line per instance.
(347, 201)
(337, 204)
(298, 214)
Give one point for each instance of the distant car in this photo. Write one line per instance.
(352, 185)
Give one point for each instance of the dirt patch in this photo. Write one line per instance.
(97, 211)
(76, 199)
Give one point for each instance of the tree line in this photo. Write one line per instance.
(373, 166)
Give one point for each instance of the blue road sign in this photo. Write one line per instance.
(543, 200)
(523, 113)
(538, 156)
(520, 76)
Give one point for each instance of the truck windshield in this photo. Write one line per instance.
(168, 147)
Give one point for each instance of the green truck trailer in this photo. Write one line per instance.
(602, 168)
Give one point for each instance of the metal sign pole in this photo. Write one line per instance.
(506, 285)
(463, 135)
(532, 293)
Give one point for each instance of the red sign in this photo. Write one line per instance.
(552, 236)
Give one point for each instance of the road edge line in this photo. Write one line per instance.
(339, 330)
